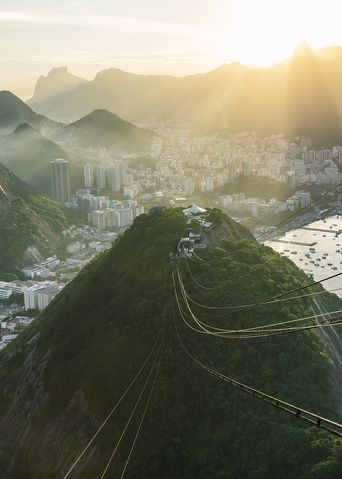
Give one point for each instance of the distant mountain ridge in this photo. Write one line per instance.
(57, 82)
(299, 96)
(144, 98)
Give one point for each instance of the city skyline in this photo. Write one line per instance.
(154, 38)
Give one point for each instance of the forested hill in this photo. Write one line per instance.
(27, 218)
(61, 377)
(256, 187)
(107, 130)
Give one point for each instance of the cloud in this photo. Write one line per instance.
(86, 57)
(124, 25)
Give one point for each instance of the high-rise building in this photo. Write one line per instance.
(60, 180)
(124, 217)
(123, 173)
(45, 296)
(88, 175)
(31, 296)
(114, 177)
(304, 198)
(100, 177)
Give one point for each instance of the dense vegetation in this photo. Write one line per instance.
(256, 187)
(71, 366)
(26, 218)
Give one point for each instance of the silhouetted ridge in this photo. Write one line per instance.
(310, 107)
(299, 96)
(57, 82)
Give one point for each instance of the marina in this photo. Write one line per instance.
(316, 249)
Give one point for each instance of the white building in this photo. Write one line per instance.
(123, 173)
(51, 262)
(304, 198)
(100, 177)
(88, 175)
(31, 296)
(124, 217)
(16, 286)
(40, 295)
(45, 296)
(5, 292)
(114, 176)
(36, 272)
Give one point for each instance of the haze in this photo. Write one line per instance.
(154, 36)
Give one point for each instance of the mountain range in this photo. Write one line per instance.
(299, 96)
(145, 98)
(62, 376)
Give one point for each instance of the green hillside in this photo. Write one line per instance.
(14, 112)
(26, 218)
(256, 187)
(67, 371)
(107, 130)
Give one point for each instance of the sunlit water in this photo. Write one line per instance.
(319, 252)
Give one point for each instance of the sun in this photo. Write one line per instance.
(267, 31)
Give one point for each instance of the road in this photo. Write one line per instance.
(332, 338)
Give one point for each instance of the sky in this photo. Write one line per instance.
(177, 37)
